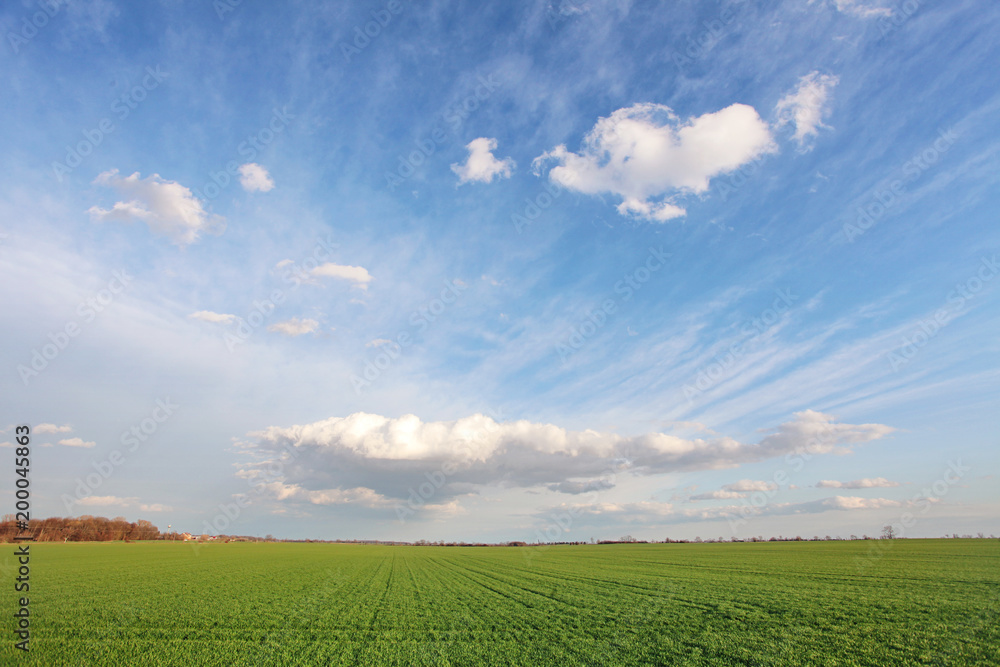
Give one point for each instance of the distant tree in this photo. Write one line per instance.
(888, 532)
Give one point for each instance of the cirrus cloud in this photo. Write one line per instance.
(805, 107)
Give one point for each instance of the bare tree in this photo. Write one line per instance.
(888, 532)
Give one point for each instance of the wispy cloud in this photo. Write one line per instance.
(52, 428)
(805, 107)
(215, 318)
(294, 327)
(866, 483)
(77, 442)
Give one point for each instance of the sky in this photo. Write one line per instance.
(535, 271)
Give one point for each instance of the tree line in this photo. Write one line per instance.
(81, 529)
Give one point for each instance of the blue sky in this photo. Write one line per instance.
(516, 271)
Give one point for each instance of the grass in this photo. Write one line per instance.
(919, 602)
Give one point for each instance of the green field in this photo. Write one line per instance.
(810, 603)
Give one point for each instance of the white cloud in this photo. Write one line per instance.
(167, 207)
(378, 342)
(655, 512)
(749, 485)
(294, 327)
(806, 105)
(215, 318)
(866, 483)
(482, 166)
(861, 8)
(355, 274)
(104, 501)
(254, 178)
(387, 454)
(52, 428)
(156, 507)
(715, 495)
(356, 496)
(647, 155)
(77, 442)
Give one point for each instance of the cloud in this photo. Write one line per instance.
(861, 9)
(52, 428)
(378, 341)
(806, 105)
(648, 156)
(749, 485)
(294, 327)
(356, 496)
(254, 178)
(156, 507)
(215, 318)
(650, 512)
(167, 207)
(585, 486)
(481, 166)
(391, 455)
(77, 442)
(866, 483)
(355, 274)
(104, 501)
(715, 495)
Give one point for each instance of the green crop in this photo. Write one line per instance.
(920, 602)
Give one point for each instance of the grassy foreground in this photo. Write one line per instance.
(932, 602)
